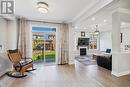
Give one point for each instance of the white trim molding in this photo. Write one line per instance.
(120, 74)
(123, 10)
(71, 62)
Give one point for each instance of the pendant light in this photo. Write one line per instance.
(96, 31)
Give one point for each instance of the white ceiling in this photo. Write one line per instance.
(104, 14)
(69, 11)
(59, 10)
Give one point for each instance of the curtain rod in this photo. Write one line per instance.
(45, 22)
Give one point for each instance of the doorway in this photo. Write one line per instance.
(44, 44)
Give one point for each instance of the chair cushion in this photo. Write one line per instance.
(24, 62)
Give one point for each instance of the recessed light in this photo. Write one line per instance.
(84, 28)
(76, 27)
(105, 20)
(93, 19)
(123, 23)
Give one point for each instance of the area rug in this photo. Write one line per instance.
(86, 60)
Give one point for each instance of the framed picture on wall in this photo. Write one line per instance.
(82, 34)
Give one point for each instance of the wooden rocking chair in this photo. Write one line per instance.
(20, 65)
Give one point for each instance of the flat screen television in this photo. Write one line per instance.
(83, 41)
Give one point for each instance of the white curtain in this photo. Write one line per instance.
(23, 37)
(63, 55)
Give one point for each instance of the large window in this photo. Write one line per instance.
(93, 43)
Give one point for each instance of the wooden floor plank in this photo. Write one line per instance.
(77, 75)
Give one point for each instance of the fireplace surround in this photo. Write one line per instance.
(83, 50)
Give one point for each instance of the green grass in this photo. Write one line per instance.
(39, 55)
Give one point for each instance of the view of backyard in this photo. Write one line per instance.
(44, 46)
(50, 55)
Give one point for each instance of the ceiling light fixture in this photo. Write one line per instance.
(42, 7)
(96, 31)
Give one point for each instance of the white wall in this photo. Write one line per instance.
(120, 59)
(121, 63)
(74, 34)
(71, 45)
(5, 64)
(3, 35)
(11, 34)
(126, 36)
(105, 41)
(8, 36)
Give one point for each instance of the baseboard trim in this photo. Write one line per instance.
(120, 74)
(71, 62)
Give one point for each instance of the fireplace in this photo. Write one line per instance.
(83, 52)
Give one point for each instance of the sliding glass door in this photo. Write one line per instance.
(44, 42)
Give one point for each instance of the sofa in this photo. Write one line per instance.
(5, 64)
(105, 61)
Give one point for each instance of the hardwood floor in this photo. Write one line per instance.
(67, 76)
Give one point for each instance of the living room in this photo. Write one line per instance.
(105, 20)
(98, 30)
